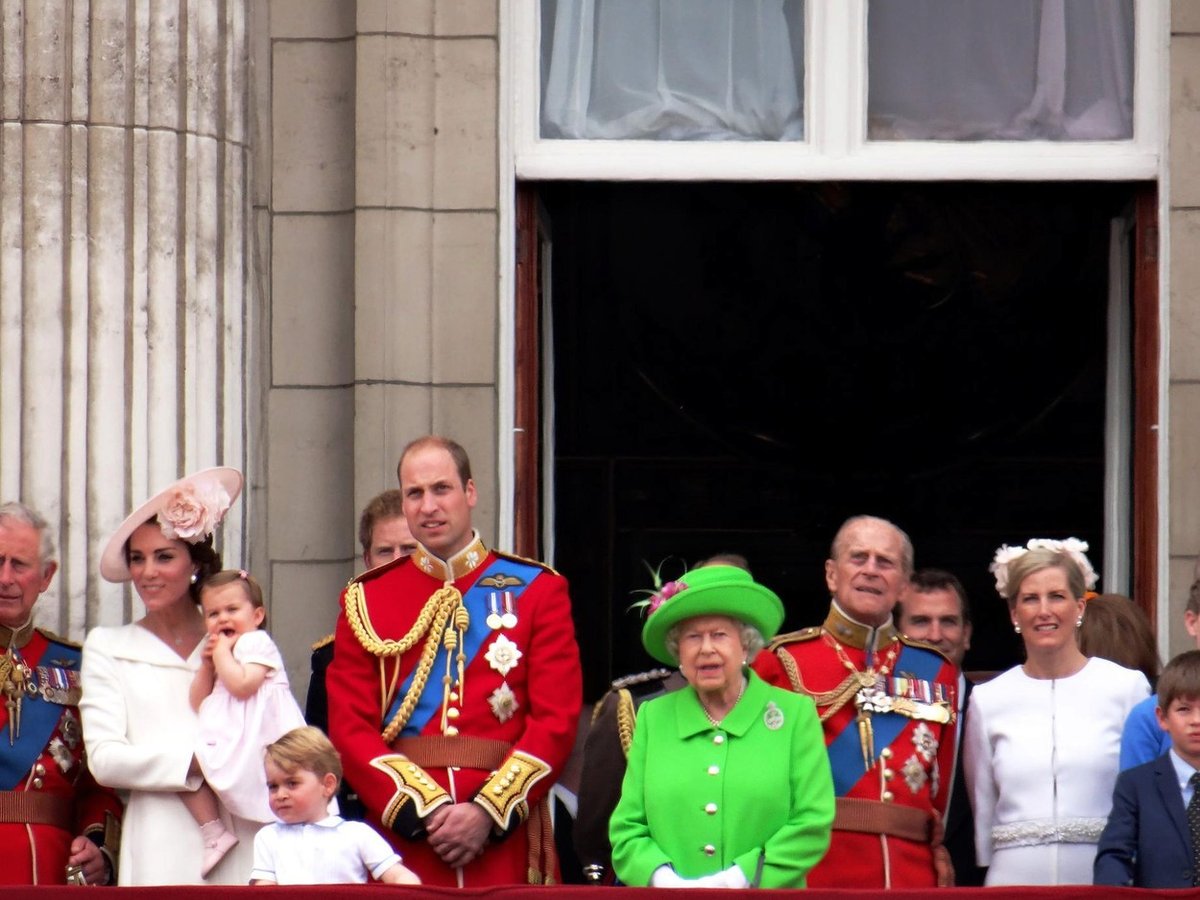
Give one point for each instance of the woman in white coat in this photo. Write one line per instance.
(138, 726)
(1041, 740)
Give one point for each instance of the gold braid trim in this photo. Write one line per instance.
(626, 716)
(793, 671)
(365, 633)
(834, 699)
(440, 607)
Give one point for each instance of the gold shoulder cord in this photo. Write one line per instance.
(834, 699)
(430, 624)
(626, 717)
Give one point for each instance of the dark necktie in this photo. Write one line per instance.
(1193, 817)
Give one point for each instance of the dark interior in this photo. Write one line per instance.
(740, 367)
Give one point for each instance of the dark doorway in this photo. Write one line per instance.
(739, 367)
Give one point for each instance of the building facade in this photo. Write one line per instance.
(293, 235)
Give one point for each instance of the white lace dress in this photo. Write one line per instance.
(1040, 759)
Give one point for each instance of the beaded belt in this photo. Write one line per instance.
(1035, 832)
(28, 807)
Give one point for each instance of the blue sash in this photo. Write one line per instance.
(845, 751)
(476, 601)
(39, 718)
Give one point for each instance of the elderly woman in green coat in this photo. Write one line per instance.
(728, 782)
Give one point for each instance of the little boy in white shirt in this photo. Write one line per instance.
(308, 845)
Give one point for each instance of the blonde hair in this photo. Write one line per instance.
(250, 587)
(306, 748)
(1036, 560)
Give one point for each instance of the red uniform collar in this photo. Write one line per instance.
(855, 634)
(464, 562)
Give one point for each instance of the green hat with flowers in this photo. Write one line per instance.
(709, 591)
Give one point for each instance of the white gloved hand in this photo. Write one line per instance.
(727, 878)
(666, 877)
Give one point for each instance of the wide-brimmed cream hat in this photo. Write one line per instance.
(189, 509)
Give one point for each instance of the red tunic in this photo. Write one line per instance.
(528, 711)
(911, 767)
(48, 761)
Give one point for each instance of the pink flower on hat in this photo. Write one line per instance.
(191, 512)
(665, 593)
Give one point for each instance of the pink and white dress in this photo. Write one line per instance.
(234, 732)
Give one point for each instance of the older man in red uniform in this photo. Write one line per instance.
(887, 708)
(455, 689)
(56, 824)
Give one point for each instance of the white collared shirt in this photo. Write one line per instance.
(332, 851)
(1183, 775)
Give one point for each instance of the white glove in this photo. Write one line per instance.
(728, 878)
(666, 877)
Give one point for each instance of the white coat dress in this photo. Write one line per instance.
(140, 731)
(1040, 759)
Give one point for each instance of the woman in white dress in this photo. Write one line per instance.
(138, 726)
(1041, 740)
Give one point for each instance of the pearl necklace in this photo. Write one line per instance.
(717, 723)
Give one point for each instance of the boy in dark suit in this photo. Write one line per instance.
(1147, 842)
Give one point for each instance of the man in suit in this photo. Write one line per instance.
(935, 610)
(1147, 841)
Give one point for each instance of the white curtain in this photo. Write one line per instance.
(673, 69)
(1000, 70)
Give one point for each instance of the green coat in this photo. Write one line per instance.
(702, 798)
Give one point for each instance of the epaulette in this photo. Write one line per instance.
(526, 559)
(628, 681)
(58, 639)
(913, 642)
(378, 570)
(792, 637)
(323, 642)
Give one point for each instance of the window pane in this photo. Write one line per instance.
(674, 70)
(967, 70)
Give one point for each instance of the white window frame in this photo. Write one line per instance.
(836, 146)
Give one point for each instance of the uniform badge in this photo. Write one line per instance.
(61, 755)
(501, 606)
(503, 702)
(914, 773)
(773, 717)
(925, 742)
(503, 655)
(68, 727)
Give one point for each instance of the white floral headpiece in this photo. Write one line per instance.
(191, 511)
(1073, 547)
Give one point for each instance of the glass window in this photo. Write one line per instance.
(673, 70)
(967, 70)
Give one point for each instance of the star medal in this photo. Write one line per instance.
(503, 702)
(503, 655)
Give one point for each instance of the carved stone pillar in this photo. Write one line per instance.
(124, 268)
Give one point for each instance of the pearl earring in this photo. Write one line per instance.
(1079, 622)
(195, 578)
(1016, 628)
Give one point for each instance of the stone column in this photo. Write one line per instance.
(124, 281)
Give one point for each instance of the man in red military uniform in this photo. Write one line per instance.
(455, 688)
(887, 708)
(54, 818)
